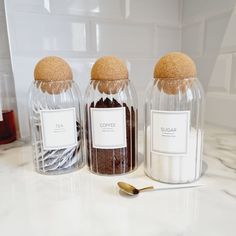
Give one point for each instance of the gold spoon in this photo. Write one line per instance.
(131, 190)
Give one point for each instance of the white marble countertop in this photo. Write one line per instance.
(81, 203)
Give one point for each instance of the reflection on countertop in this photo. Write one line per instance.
(81, 203)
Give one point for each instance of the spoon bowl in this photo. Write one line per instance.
(130, 189)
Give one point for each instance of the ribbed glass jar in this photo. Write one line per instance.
(56, 126)
(174, 130)
(111, 126)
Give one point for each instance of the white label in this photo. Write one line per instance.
(108, 127)
(170, 132)
(58, 128)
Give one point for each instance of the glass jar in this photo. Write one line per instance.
(111, 123)
(7, 118)
(174, 130)
(56, 125)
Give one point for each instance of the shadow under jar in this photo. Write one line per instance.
(56, 126)
(111, 125)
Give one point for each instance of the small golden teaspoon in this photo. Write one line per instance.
(131, 190)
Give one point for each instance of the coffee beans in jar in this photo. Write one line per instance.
(111, 119)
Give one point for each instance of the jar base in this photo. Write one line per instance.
(171, 182)
(9, 140)
(60, 172)
(111, 175)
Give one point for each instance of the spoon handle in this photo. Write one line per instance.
(179, 187)
(146, 188)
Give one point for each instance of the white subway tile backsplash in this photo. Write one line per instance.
(4, 47)
(23, 68)
(215, 65)
(1, 7)
(123, 38)
(34, 33)
(100, 8)
(81, 71)
(220, 110)
(205, 65)
(201, 9)
(229, 41)
(221, 75)
(167, 40)
(5, 66)
(159, 11)
(141, 72)
(233, 77)
(214, 32)
(141, 102)
(192, 39)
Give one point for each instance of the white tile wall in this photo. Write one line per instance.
(5, 65)
(233, 78)
(4, 48)
(215, 31)
(205, 65)
(125, 38)
(214, 56)
(2, 8)
(162, 12)
(192, 39)
(221, 97)
(98, 8)
(201, 9)
(221, 75)
(141, 73)
(81, 70)
(223, 113)
(167, 39)
(47, 34)
(81, 31)
(229, 41)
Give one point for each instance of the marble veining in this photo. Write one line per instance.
(81, 203)
(229, 193)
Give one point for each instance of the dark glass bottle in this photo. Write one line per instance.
(7, 119)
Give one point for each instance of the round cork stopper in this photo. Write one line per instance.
(54, 73)
(109, 74)
(52, 69)
(175, 65)
(175, 72)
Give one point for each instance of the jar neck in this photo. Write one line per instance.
(53, 81)
(176, 79)
(110, 80)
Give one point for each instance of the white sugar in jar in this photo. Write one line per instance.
(174, 121)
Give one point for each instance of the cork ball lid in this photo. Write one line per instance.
(109, 68)
(175, 65)
(52, 68)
